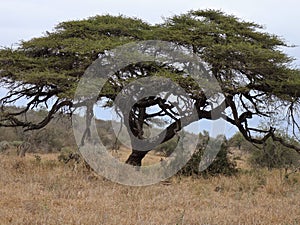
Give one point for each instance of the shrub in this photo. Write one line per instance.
(274, 155)
(167, 147)
(64, 154)
(221, 164)
(4, 145)
(238, 141)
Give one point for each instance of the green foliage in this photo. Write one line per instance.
(269, 155)
(60, 57)
(168, 147)
(238, 141)
(55, 136)
(220, 165)
(65, 153)
(274, 155)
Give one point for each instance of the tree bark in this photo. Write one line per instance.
(23, 148)
(135, 158)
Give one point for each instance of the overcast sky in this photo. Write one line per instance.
(24, 19)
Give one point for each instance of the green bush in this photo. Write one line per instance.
(221, 164)
(274, 155)
(238, 141)
(65, 153)
(168, 147)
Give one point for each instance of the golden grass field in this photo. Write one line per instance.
(48, 192)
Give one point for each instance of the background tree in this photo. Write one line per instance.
(269, 154)
(273, 155)
(256, 77)
(238, 141)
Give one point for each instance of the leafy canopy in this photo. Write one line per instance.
(256, 77)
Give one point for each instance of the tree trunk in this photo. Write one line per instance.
(135, 158)
(23, 148)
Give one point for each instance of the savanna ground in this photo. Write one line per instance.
(41, 190)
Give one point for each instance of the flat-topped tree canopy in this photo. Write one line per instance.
(255, 75)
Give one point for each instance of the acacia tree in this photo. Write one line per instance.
(257, 79)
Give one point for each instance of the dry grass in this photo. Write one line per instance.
(47, 192)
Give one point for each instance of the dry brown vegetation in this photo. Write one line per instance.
(35, 191)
